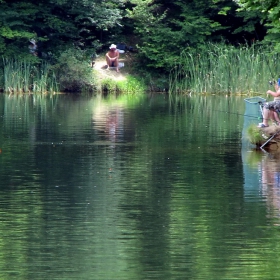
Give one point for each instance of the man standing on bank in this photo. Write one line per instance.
(112, 57)
(271, 109)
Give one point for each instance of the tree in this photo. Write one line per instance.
(56, 24)
(166, 28)
(269, 12)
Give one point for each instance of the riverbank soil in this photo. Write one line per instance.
(269, 135)
(155, 82)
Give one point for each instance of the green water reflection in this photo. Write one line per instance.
(134, 188)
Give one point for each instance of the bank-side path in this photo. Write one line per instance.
(103, 72)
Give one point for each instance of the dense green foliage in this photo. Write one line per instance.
(168, 28)
(160, 30)
(55, 24)
(73, 72)
(67, 34)
(159, 26)
(270, 15)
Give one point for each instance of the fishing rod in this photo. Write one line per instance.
(273, 82)
(250, 116)
(270, 82)
(265, 58)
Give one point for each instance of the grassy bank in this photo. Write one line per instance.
(127, 80)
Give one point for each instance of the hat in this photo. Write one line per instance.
(32, 41)
(113, 46)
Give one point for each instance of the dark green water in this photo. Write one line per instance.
(134, 188)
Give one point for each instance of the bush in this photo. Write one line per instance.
(130, 85)
(73, 71)
(254, 135)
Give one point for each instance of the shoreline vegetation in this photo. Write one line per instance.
(223, 69)
(219, 69)
(177, 47)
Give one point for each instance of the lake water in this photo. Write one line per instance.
(134, 188)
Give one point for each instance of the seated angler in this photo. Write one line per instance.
(112, 57)
(271, 109)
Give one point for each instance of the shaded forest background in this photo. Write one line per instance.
(68, 31)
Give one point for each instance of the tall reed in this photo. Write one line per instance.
(225, 69)
(25, 77)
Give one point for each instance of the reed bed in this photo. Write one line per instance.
(225, 69)
(25, 77)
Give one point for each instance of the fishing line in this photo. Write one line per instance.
(250, 116)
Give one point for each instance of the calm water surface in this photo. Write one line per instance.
(141, 188)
